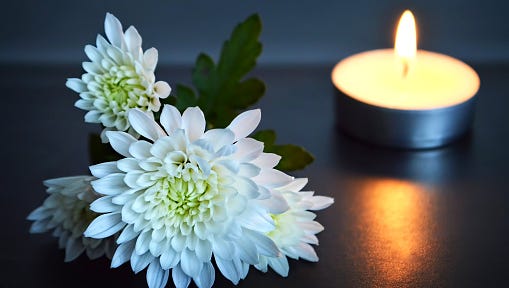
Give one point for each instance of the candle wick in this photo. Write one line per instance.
(405, 68)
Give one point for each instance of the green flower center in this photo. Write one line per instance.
(180, 202)
(122, 85)
(185, 198)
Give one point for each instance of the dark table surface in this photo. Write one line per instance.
(432, 218)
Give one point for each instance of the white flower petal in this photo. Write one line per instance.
(145, 125)
(84, 104)
(115, 55)
(190, 264)
(193, 122)
(132, 177)
(93, 53)
(247, 251)
(69, 197)
(245, 269)
(310, 238)
(222, 249)
(203, 250)
(39, 213)
(262, 265)
(151, 164)
(226, 151)
(104, 226)
(312, 226)
(178, 242)
(127, 234)
(280, 265)
(129, 216)
(180, 279)
(272, 178)
(122, 254)
(247, 149)
(133, 41)
(296, 185)
(128, 164)
(171, 119)
(142, 242)
(263, 243)
(246, 187)
(104, 138)
(140, 149)
(256, 219)
(156, 246)
(162, 89)
(139, 262)
(92, 116)
(73, 249)
(145, 180)
(169, 258)
(120, 142)
(219, 138)
(206, 277)
(245, 123)
(103, 169)
(321, 202)
(150, 59)
(156, 276)
(101, 44)
(264, 192)
(113, 29)
(228, 269)
(76, 85)
(39, 226)
(276, 204)
(64, 182)
(112, 184)
(104, 205)
(307, 252)
(92, 68)
(162, 147)
(248, 170)
(267, 160)
(202, 164)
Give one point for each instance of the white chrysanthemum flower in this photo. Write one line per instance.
(119, 77)
(186, 195)
(295, 228)
(66, 211)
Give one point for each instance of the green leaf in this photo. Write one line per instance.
(201, 71)
(222, 91)
(240, 52)
(186, 97)
(251, 91)
(268, 137)
(293, 157)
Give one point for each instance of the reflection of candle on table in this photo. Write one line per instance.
(403, 97)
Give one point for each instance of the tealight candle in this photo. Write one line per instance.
(405, 97)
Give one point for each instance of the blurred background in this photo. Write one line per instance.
(295, 32)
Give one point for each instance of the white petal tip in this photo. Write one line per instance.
(162, 89)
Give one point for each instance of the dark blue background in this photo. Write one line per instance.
(296, 32)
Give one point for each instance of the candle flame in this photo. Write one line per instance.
(405, 45)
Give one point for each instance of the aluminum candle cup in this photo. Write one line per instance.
(405, 97)
(414, 129)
